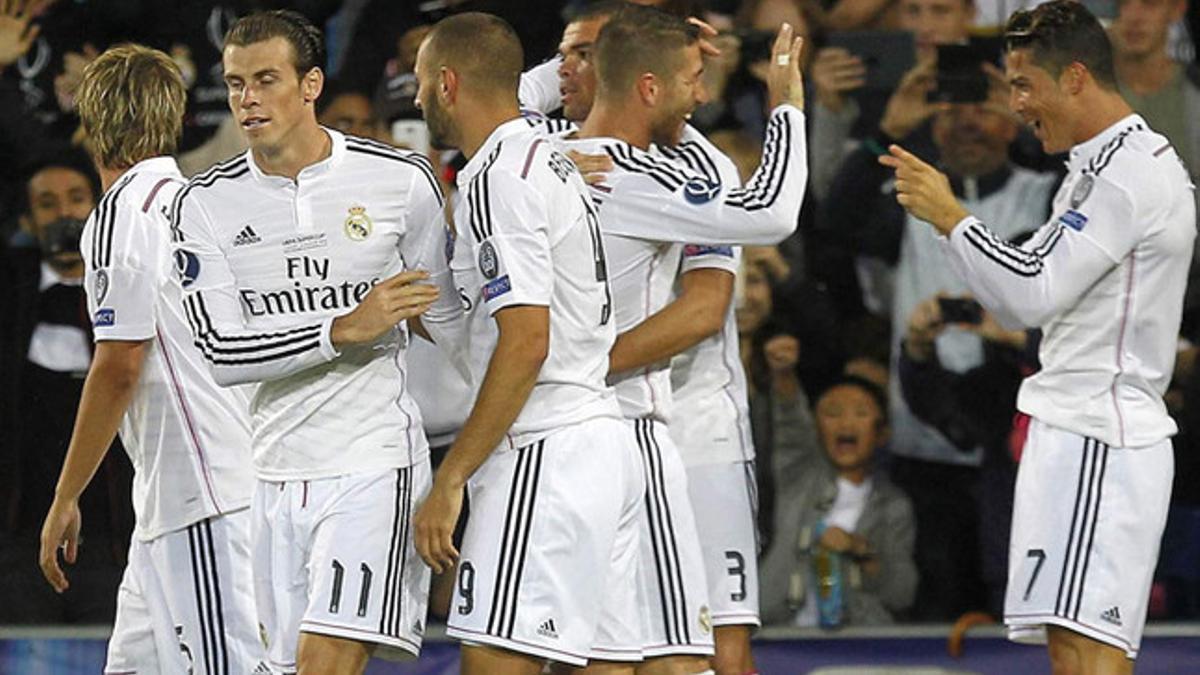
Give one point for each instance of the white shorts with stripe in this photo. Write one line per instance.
(335, 557)
(1087, 522)
(673, 583)
(724, 499)
(186, 603)
(551, 547)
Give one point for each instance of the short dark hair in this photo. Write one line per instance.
(873, 390)
(308, 44)
(480, 47)
(1062, 32)
(634, 42)
(596, 10)
(56, 156)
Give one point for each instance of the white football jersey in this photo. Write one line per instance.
(650, 206)
(528, 235)
(268, 263)
(1104, 279)
(188, 439)
(708, 382)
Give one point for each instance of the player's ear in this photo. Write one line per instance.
(313, 84)
(649, 89)
(448, 82)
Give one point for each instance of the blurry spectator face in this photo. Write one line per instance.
(351, 113)
(577, 74)
(936, 22)
(973, 138)
(441, 129)
(1142, 26)
(682, 90)
(56, 192)
(851, 426)
(1037, 99)
(268, 97)
(755, 307)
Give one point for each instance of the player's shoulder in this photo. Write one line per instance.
(371, 151)
(1138, 161)
(230, 173)
(644, 167)
(700, 155)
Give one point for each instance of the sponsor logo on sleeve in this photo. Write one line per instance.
(496, 288)
(1073, 219)
(700, 190)
(187, 265)
(100, 287)
(104, 317)
(694, 250)
(489, 262)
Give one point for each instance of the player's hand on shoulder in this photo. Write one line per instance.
(594, 168)
(391, 301)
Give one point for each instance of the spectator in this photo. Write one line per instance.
(837, 73)
(973, 140)
(780, 420)
(350, 112)
(837, 505)
(46, 349)
(60, 188)
(974, 408)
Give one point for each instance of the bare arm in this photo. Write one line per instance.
(697, 313)
(521, 348)
(111, 382)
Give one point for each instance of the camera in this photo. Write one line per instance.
(960, 76)
(960, 310)
(61, 237)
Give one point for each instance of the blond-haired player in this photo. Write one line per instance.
(185, 603)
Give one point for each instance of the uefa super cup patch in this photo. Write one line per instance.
(695, 250)
(489, 262)
(700, 190)
(104, 317)
(187, 265)
(496, 288)
(1073, 219)
(100, 287)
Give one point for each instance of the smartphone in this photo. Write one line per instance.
(960, 310)
(960, 76)
(887, 55)
(411, 134)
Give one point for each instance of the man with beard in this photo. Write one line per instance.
(549, 556)
(633, 73)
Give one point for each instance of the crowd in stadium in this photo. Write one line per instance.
(856, 314)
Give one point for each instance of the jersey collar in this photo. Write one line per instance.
(508, 129)
(336, 153)
(1083, 152)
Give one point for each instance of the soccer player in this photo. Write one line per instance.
(1104, 279)
(185, 603)
(299, 258)
(638, 213)
(554, 478)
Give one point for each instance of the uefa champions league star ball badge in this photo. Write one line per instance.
(101, 286)
(1083, 188)
(358, 223)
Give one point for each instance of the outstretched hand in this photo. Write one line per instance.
(785, 83)
(923, 191)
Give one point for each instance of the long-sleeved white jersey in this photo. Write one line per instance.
(528, 235)
(1104, 279)
(267, 264)
(188, 439)
(651, 207)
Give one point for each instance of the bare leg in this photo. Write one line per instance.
(325, 654)
(483, 660)
(733, 650)
(1072, 653)
(674, 665)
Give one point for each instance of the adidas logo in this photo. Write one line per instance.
(1112, 615)
(547, 629)
(246, 237)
